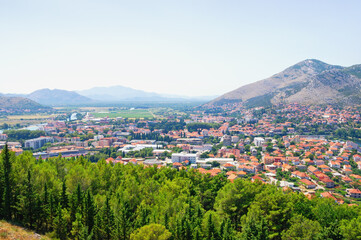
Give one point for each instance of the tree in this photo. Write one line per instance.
(255, 226)
(151, 232)
(105, 222)
(89, 211)
(209, 224)
(7, 168)
(64, 196)
(29, 202)
(60, 224)
(351, 229)
(302, 229)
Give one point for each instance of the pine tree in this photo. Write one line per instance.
(166, 221)
(2, 183)
(60, 224)
(89, 212)
(79, 231)
(211, 229)
(29, 202)
(125, 219)
(7, 168)
(45, 209)
(64, 196)
(108, 220)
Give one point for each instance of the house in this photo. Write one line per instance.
(358, 177)
(300, 175)
(308, 183)
(177, 165)
(257, 178)
(319, 162)
(312, 169)
(229, 166)
(328, 182)
(354, 193)
(232, 177)
(346, 179)
(334, 164)
(328, 195)
(241, 173)
(357, 158)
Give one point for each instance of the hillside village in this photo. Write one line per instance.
(295, 147)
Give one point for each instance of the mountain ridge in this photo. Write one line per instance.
(308, 82)
(20, 104)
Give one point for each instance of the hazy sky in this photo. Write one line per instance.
(176, 47)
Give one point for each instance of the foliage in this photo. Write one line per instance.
(23, 134)
(75, 198)
(150, 232)
(192, 127)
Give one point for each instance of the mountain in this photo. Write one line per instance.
(58, 97)
(308, 82)
(20, 104)
(121, 93)
(116, 93)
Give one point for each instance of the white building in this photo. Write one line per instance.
(181, 157)
(258, 141)
(38, 142)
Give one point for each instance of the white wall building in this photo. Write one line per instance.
(181, 157)
(258, 141)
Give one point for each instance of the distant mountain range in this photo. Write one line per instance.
(308, 82)
(120, 93)
(113, 94)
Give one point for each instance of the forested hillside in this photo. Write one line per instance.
(77, 199)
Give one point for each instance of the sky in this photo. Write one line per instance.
(192, 48)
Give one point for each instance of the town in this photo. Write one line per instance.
(308, 149)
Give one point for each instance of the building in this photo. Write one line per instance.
(258, 141)
(182, 157)
(38, 142)
(354, 193)
(308, 183)
(227, 140)
(3, 137)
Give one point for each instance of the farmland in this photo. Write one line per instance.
(135, 113)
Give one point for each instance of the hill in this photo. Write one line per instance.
(20, 104)
(308, 82)
(57, 97)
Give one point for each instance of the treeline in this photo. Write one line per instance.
(192, 127)
(167, 125)
(23, 134)
(348, 132)
(76, 199)
(151, 136)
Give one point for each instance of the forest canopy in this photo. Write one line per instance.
(74, 198)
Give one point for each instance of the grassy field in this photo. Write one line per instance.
(136, 113)
(26, 119)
